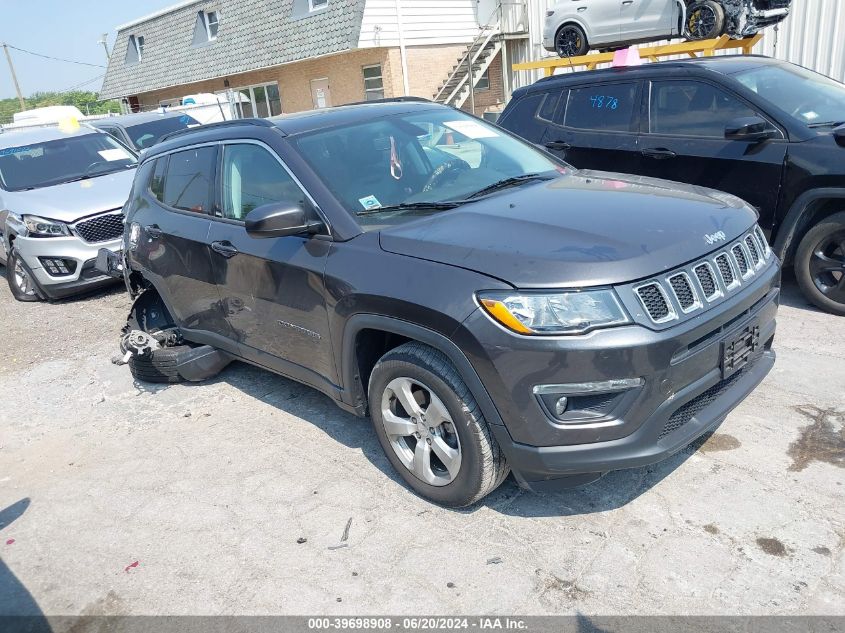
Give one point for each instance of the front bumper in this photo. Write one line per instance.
(84, 277)
(680, 366)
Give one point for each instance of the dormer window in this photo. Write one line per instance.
(316, 5)
(135, 49)
(212, 23)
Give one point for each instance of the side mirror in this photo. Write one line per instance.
(280, 219)
(839, 135)
(750, 128)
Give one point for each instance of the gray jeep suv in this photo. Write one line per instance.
(491, 308)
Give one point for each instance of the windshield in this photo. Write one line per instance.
(810, 97)
(62, 160)
(439, 156)
(147, 134)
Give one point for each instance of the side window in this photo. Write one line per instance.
(113, 133)
(157, 181)
(692, 108)
(188, 178)
(549, 108)
(601, 107)
(253, 177)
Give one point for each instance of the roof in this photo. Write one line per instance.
(128, 120)
(723, 64)
(19, 138)
(253, 34)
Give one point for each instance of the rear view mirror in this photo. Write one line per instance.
(280, 219)
(750, 128)
(839, 135)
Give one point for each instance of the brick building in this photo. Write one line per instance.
(272, 56)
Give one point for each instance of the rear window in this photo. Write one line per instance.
(188, 179)
(601, 107)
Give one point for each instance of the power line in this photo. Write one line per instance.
(57, 59)
(84, 83)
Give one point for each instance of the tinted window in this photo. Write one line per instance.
(601, 107)
(692, 108)
(550, 103)
(188, 178)
(61, 160)
(148, 134)
(157, 182)
(253, 177)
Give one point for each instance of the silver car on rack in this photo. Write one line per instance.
(62, 191)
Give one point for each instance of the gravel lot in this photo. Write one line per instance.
(232, 497)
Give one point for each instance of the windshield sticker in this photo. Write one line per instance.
(471, 129)
(7, 151)
(810, 116)
(370, 202)
(113, 154)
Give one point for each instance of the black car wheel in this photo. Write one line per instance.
(23, 285)
(431, 428)
(705, 20)
(149, 315)
(571, 41)
(820, 264)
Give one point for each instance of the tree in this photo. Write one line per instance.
(87, 102)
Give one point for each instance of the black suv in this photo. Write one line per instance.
(768, 131)
(491, 308)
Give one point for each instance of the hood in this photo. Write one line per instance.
(585, 229)
(73, 200)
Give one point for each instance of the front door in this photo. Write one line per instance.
(595, 127)
(272, 288)
(172, 246)
(321, 95)
(684, 140)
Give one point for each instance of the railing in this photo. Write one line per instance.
(707, 48)
(474, 50)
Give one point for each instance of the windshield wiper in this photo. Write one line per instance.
(411, 206)
(507, 182)
(826, 124)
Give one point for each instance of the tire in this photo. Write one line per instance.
(705, 20)
(158, 367)
(442, 396)
(571, 41)
(18, 274)
(820, 264)
(149, 314)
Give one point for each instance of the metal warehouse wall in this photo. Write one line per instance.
(812, 36)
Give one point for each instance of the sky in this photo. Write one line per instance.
(62, 28)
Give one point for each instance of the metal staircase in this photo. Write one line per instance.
(476, 58)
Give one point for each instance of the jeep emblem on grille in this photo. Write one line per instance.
(712, 238)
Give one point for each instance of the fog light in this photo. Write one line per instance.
(560, 406)
(584, 401)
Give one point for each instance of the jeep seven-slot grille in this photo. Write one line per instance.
(704, 273)
(101, 228)
(654, 302)
(694, 287)
(739, 256)
(682, 288)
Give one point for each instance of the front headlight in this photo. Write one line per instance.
(40, 227)
(565, 312)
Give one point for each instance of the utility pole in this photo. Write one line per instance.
(104, 42)
(14, 77)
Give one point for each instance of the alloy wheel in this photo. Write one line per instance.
(568, 42)
(420, 431)
(23, 282)
(827, 266)
(701, 22)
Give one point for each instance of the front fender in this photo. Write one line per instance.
(793, 225)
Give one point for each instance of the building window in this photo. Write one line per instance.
(373, 85)
(316, 5)
(261, 100)
(212, 22)
(135, 49)
(483, 82)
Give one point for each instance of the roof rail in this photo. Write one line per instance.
(213, 126)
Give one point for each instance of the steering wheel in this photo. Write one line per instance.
(94, 165)
(450, 168)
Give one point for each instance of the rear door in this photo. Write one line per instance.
(601, 18)
(173, 247)
(648, 18)
(272, 288)
(684, 140)
(594, 126)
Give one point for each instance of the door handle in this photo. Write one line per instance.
(558, 145)
(153, 231)
(659, 153)
(581, 9)
(627, 2)
(225, 249)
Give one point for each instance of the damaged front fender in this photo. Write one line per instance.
(745, 18)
